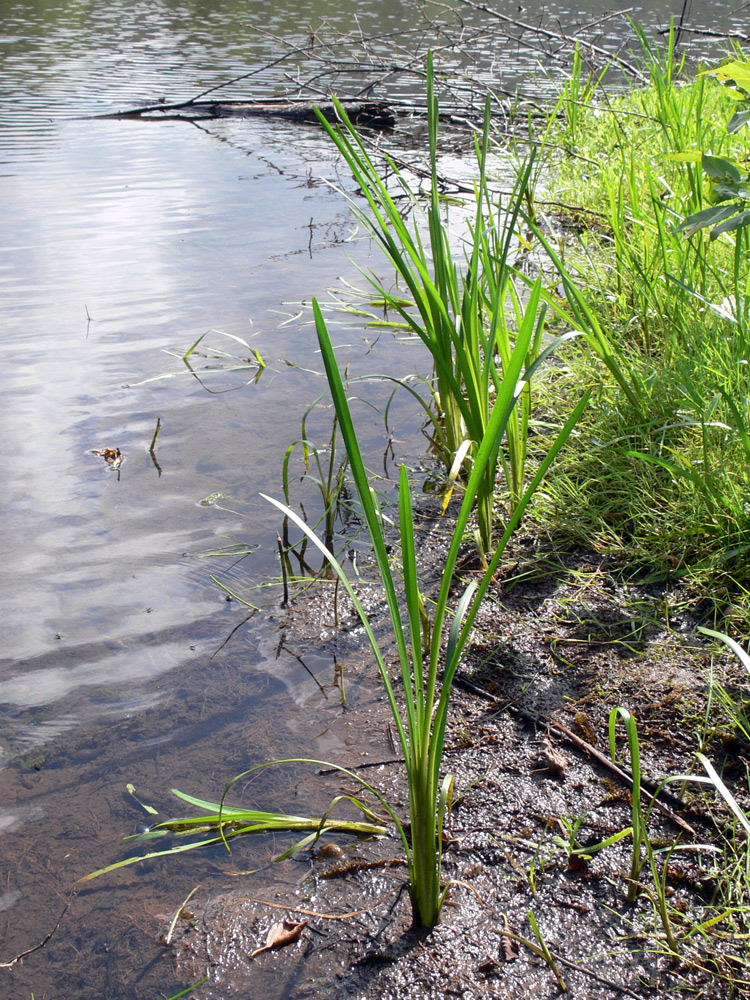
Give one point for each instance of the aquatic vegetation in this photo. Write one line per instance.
(468, 313)
(636, 320)
(225, 822)
(733, 867)
(423, 641)
(732, 899)
(215, 361)
(185, 992)
(330, 479)
(483, 373)
(420, 644)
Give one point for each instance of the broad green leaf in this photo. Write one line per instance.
(738, 222)
(727, 190)
(734, 70)
(695, 156)
(738, 119)
(721, 169)
(704, 218)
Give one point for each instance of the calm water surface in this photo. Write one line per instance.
(122, 241)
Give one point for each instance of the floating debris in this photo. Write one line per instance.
(112, 456)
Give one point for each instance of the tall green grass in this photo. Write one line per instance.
(429, 649)
(467, 310)
(661, 466)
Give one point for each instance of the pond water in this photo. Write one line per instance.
(123, 244)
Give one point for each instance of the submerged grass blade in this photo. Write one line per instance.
(229, 822)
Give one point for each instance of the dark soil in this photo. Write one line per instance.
(562, 640)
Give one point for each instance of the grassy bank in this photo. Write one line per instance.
(659, 475)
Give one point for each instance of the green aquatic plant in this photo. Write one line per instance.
(483, 375)
(577, 90)
(224, 822)
(545, 952)
(583, 316)
(184, 993)
(638, 828)
(215, 361)
(571, 845)
(329, 473)
(424, 643)
(460, 306)
(729, 184)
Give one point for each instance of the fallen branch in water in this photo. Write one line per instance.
(365, 114)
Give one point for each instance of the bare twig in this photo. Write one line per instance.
(567, 963)
(364, 767)
(283, 564)
(558, 36)
(325, 916)
(29, 951)
(621, 773)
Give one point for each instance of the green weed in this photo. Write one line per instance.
(461, 310)
(736, 710)
(639, 830)
(419, 638)
(660, 465)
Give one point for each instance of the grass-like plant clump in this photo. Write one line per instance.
(483, 372)
(429, 648)
(465, 311)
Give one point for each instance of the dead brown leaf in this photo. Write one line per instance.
(555, 762)
(280, 934)
(584, 724)
(509, 946)
(112, 456)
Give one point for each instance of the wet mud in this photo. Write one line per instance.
(561, 640)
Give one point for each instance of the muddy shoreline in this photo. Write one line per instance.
(568, 645)
(560, 638)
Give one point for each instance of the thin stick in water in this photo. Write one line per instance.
(282, 560)
(151, 447)
(156, 435)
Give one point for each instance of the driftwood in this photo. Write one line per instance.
(332, 61)
(365, 114)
